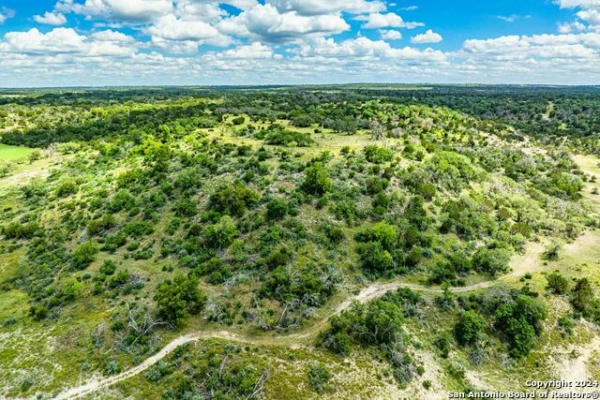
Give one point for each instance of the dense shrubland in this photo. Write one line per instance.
(177, 208)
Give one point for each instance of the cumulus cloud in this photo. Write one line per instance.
(267, 24)
(112, 36)
(571, 27)
(184, 36)
(579, 3)
(427, 37)
(320, 7)
(589, 13)
(560, 48)
(127, 10)
(378, 20)
(61, 41)
(51, 18)
(590, 16)
(255, 50)
(390, 34)
(365, 48)
(283, 41)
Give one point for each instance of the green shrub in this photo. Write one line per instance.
(302, 121)
(84, 255)
(280, 137)
(175, 298)
(469, 328)
(491, 261)
(382, 233)
(378, 155)
(221, 234)
(520, 321)
(122, 200)
(99, 225)
(582, 297)
(374, 257)
(138, 229)
(108, 267)
(38, 312)
(522, 229)
(441, 272)
(66, 188)
(318, 377)
(233, 199)
(376, 185)
(238, 120)
(277, 209)
(557, 283)
(316, 180)
(185, 207)
(15, 230)
(427, 190)
(551, 252)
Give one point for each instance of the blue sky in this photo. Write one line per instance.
(148, 42)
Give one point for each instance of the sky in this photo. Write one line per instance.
(45, 43)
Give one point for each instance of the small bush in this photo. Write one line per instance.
(557, 283)
(318, 376)
(469, 328)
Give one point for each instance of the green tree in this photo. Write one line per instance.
(491, 261)
(175, 298)
(233, 199)
(316, 179)
(221, 234)
(469, 327)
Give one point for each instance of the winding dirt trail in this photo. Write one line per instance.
(371, 292)
(521, 264)
(374, 291)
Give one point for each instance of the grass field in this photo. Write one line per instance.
(13, 153)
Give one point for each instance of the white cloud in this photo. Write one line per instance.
(267, 24)
(59, 40)
(64, 41)
(184, 36)
(172, 28)
(127, 10)
(560, 48)
(112, 36)
(571, 27)
(509, 18)
(390, 34)
(255, 50)
(427, 37)
(590, 16)
(364, 48)
(578, 3)
(51, 18)
(320, 7)
(377, 20)
(283, 41)
(241, 4)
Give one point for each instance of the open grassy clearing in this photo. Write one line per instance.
(13, 153)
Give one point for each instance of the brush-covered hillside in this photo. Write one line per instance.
(301, 243)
